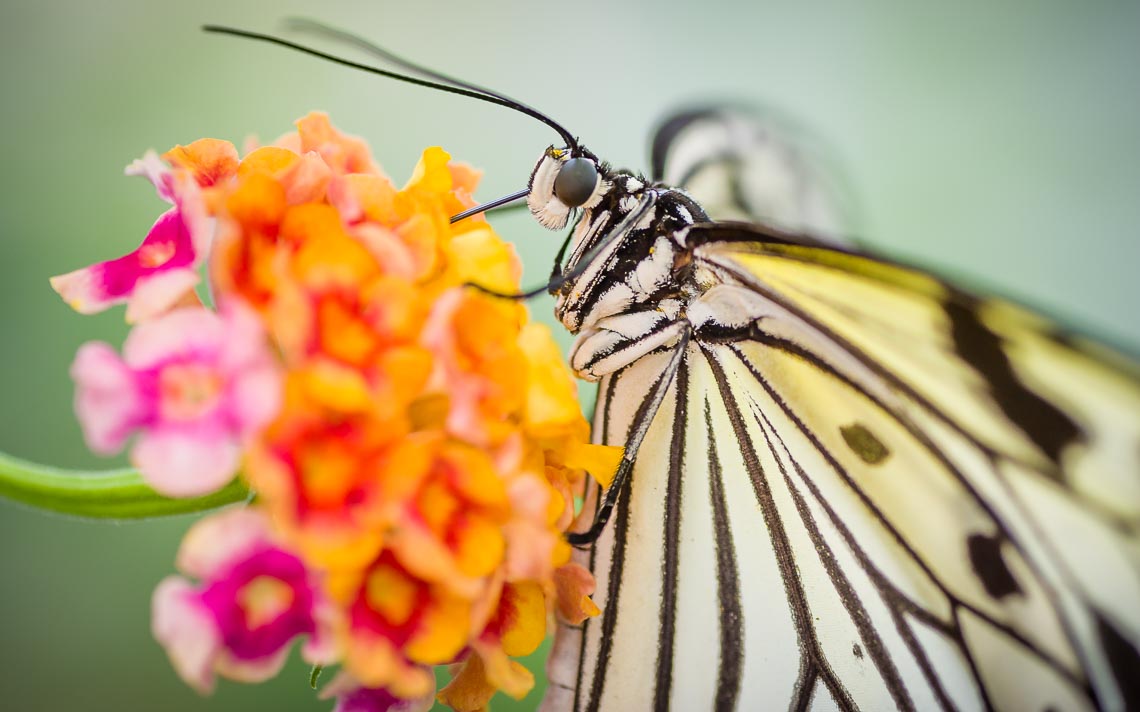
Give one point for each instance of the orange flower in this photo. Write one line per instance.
(575, 585)
(396, 623)
(517, 628)
(343, 154)
(210, 161)
(423, 462)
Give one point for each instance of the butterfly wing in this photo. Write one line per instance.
(748, 164)
(864, 490)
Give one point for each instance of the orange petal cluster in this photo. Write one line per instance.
(424, 457)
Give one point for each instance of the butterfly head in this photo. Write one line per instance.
(564, 179)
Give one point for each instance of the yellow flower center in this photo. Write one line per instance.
(264, 599)
(187, 391)
(390, 594)
(156, 255)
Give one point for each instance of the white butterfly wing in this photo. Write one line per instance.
(881, 494)
(752, 165)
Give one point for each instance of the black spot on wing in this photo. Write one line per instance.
(863, 443)
(857, 651)
(1124, 660)
(1048, 427)
(988, 563)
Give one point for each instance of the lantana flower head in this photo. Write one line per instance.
(413, 443)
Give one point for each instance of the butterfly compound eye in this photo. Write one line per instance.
(575, 182)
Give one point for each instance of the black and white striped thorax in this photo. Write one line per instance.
(633, 282)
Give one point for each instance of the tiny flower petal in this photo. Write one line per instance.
(508, 675)
(469, 690)
(601, 461)
(212, 544)
(341, 152)
(251, 671)
(243, 337)
(107, 400)
(464, 180)
(305, 180)
(181, 333)
(442, 632)
(185, 628)
(480, 257)
(185, 463)
(574, 584)
(151, 167)
(267, 160)
(157, 293)
(431, 174)
(255, 398)
(362, 196)
(376, 662)
(208, 160)
(521, 619)
(552, 398)
(168, 247)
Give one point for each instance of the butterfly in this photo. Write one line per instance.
(853, 485)
(847, 484)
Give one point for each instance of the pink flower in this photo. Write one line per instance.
(163, 269)
(193, 383)
(254, 600)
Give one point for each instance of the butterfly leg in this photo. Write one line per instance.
(640, 427)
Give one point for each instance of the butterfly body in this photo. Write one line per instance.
(850, 484)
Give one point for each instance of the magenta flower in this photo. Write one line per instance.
(163, 269)
(193, 383)
(254, 600)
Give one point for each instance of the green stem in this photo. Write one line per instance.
(115, 494)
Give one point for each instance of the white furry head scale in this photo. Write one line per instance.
(561, 182)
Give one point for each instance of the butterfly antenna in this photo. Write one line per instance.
(497, 202)
(435, 80)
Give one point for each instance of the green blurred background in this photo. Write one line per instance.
(999, 144)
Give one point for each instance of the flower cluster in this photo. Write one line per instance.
(413, 444)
